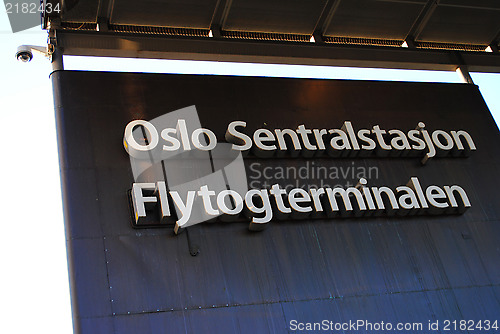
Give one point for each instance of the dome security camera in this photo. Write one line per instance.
(25, 52)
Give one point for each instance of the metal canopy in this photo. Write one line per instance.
(436, 34)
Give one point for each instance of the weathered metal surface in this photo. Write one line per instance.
(391, 269)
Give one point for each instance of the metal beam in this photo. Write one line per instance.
(420, 22)
(105, 9)
(104, 12)
(325, 19)
(462, 69)
(495, 43)
(89, 43)
(57, 60)
(219, 17)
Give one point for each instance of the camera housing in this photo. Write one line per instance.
(24, 53)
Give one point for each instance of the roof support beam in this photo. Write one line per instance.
(219, 17)
(422, 19)
(462, 69)
(104, 12)
(237, 50)
(495, 43)
(325, 19)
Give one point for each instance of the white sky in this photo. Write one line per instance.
(34, 291)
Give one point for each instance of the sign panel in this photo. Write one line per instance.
(269, 205)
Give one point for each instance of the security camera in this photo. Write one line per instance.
(25, 52)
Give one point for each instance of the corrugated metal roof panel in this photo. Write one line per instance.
(446, 21)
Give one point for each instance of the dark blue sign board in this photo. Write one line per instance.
(219, 277)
